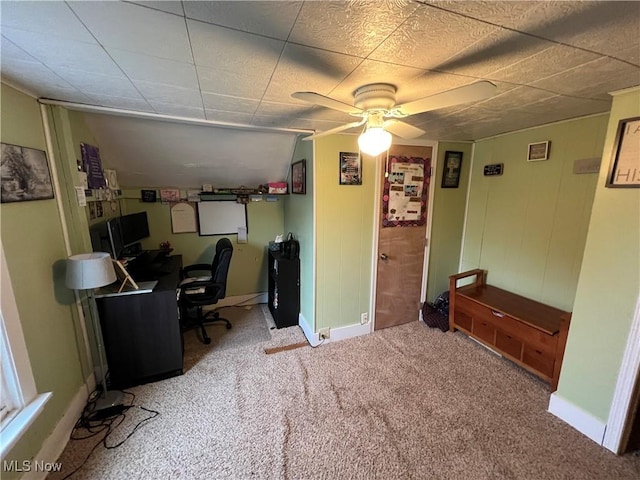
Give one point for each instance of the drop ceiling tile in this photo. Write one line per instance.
(542, 64)
(229, 117)
(515, 98)
(234, 51)
(307, 69)
(158, 92)
(603, 27)
(10, 50)
(135, 104)
(45, 18)
(61, 52)
(270, 121)
(178, 110)
(237, 84)
(135, 28)
(32, 74)
(497, 12)
(155, 69)
(228, 103)
(94, 83)
(561, 107)
(273, 19)
(430, 37)
(353, 28)
(593, 79)
(165, 6)
(492, 52)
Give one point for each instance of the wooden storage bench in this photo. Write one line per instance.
(529, 333)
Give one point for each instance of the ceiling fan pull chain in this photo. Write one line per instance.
(386, 167)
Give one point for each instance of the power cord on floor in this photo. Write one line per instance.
(106, 420)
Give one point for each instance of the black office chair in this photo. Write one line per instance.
(197, 291)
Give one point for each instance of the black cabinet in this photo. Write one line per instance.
(141, 331)
(284, 289)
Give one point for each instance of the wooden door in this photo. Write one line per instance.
(401, 251)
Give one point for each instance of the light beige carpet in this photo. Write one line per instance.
(403, 403)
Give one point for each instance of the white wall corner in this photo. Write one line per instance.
(578, 418)
(55, 444)
(622, 403)
(339, 333)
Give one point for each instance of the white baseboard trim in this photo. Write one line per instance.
(579, 419)
(249, 299)
(55, 444)
(335, 334)
(312, 338)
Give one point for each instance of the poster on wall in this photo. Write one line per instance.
(92, 166)
(25, 174)
(404, 200)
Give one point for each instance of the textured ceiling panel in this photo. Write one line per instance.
(273, 19)
(353, 28)
(155, 69)
(418, 42)
(240, 62)
(306, 69)
(138, 29)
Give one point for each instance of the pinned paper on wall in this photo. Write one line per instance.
(242, 234)
(183, 218)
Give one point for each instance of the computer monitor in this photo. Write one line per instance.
(134, 227)
(115, 237)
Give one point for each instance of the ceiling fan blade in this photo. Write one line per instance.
(468, 93)
(323, 101)
(346, 126)
(402, 129)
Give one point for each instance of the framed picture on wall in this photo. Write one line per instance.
(350, 168)
(25, 174)
(451, 172)
(624, 171)
(299, 177)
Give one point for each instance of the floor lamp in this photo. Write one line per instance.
(88, 271)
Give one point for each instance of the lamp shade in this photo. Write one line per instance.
(374, 141)
(89, 270)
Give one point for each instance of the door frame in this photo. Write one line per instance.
(380, 159)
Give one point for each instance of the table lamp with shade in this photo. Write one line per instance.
(88, 271)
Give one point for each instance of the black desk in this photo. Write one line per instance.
(141, 331)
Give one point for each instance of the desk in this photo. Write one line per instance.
(142, 337)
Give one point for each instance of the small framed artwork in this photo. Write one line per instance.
(538, 151)
(452, 167)
(299, 177)
(148, 196)
(25, 174)
(350, 168)
(624, 171)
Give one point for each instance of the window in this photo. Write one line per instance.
(20, 403)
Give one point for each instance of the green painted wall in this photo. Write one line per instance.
(447, 221)
(528, 227)
(344, 235)
(34, 247)
(608, 285)
(299, 219)
(248, 271)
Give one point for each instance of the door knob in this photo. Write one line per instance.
(384, 256)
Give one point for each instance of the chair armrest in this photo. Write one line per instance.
(198, 267)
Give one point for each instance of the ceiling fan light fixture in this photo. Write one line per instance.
(374, 141)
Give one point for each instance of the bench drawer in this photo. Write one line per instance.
(484, 330)
(538, 360)
(509, 344)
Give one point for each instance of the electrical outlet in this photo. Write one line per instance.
(364, 318)
(324, 333)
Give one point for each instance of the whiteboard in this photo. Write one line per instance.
(221, 217)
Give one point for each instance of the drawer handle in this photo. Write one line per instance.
(497, 314)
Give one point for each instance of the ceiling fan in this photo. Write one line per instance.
(375, 104)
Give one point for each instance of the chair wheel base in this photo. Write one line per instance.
(228, 326)
(206, 341)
